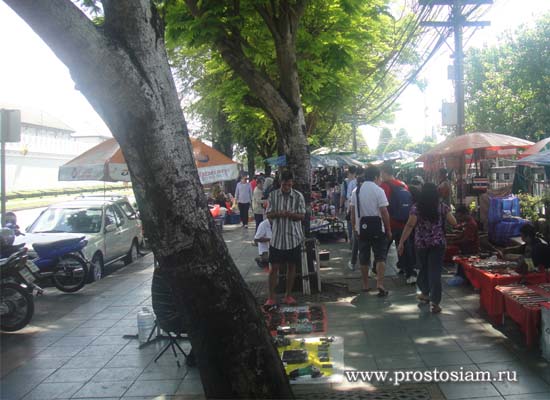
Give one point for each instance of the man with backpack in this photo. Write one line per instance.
(400, 202)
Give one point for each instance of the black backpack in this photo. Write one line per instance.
(400, 203)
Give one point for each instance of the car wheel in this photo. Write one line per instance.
(96, 272)
(133, 254)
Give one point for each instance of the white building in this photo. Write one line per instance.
(46, 144)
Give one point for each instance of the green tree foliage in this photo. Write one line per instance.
(507, 85)
(421, 147)
(344, 51)
(384, 140)
(400, 142)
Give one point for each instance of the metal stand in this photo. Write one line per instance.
(173, 344)
(150, 338)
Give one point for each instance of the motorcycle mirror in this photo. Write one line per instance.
(110, 228)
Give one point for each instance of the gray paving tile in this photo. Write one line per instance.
(72, 375)
(100, 350)
(51, 391)
(447, 358)
(413, 361)
(525, 384)
(154, 388)
(117, 374)
(102, 389)
(498, 354)
(437, 346)
(87, 332)
(163, 372)
(110, 340)
(132, 360)
(531, 396)
(463, 390)
(73, 341)
(88, 362)
(190, 387)
(46, 363)
(64, 351)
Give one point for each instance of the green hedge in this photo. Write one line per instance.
(29, 194)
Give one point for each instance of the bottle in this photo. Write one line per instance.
(145, 322)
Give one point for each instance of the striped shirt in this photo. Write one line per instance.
(287, 234)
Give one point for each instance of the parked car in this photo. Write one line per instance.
(111, 226)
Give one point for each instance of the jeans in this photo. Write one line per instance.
(243, 210)
(258, 218)
(405, 262)
(429, 278)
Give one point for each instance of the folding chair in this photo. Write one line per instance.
(169, 319)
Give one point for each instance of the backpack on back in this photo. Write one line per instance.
(400, 203)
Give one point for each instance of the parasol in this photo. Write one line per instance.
(466, 144)
(105, 162)
(541, 158)
(541, 145)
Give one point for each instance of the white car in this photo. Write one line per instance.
(111, 226)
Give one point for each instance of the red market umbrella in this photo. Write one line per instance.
(494, 145)
(105, 162)
(541, 145)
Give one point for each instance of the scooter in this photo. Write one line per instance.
(63, 261)
(17, 276)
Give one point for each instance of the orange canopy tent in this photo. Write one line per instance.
(105, 162)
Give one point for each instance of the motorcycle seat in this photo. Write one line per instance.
(39, 247)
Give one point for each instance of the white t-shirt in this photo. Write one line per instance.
(264, 231)
(371, 197)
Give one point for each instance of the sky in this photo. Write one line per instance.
(31, 75)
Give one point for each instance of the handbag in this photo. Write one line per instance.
(370, 227)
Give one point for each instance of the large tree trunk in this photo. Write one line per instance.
(251, 159)
(123, 71)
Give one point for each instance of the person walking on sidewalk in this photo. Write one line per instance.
(428, 218)
(371, 222)
(258, 203)
(400, 202)
(243, 197)
(287, 209)
(354, 240)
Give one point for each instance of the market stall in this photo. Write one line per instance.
(522, 303)
(486, 274)
(464, 154)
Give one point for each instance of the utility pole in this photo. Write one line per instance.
(457, 21)
(355, 120)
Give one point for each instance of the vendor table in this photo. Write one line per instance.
(486, 281)
(526, 314)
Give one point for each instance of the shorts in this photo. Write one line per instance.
(379, 248)
(292, 256)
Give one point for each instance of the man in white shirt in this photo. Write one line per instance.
(262, 239)
(369, 204)
(243, 196)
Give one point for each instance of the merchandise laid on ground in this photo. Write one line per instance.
(296, 319)
(522, 303)
(486, 274)
(312, 359)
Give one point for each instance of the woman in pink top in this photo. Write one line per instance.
(428, 217)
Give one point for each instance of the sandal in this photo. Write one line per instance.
(382, 292)
(436, 309)
(422, 298)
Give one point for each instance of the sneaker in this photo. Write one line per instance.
(411, 280)
(289, 300)
(436, 309)
(373, 274)
(270, 302)
(351, 266)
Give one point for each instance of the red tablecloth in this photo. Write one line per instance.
(486, 282)
(527, 317)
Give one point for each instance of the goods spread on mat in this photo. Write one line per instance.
(296, 319)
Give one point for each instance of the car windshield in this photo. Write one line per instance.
(71, 220)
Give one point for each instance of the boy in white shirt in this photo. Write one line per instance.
(262, 239)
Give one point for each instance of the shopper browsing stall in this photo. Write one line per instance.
(428, 218)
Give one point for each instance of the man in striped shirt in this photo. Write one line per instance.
(287, 210)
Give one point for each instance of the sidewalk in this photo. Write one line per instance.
(74, 348)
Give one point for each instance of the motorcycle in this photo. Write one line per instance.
(63, 261)
(17, 276)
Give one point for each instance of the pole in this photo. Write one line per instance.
(354, 131)
(459, 66)
(3, 181)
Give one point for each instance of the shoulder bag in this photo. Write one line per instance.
(370, 227)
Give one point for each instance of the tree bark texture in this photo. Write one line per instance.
(122, 69)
